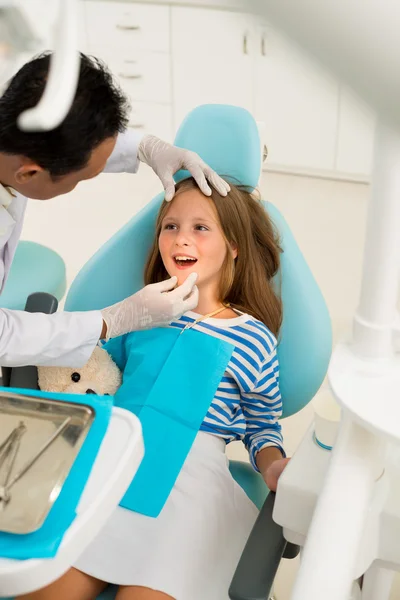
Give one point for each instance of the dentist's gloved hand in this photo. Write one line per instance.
(166, 160)
(153, 306)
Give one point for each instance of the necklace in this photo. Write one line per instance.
(203, 317)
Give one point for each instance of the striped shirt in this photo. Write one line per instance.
(247, 404)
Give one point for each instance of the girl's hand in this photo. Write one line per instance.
(273, 472)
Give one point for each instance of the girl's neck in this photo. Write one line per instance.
(208, 302)
(206, 309)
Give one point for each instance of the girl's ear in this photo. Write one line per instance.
(234, 250)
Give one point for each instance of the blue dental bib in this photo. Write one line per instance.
(169, 382)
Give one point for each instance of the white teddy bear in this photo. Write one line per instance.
(99, 376)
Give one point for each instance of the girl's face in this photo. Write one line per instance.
(191, 240)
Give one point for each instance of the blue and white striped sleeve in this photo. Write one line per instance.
(262, 407)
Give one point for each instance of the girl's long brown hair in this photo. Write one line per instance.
(246, 282)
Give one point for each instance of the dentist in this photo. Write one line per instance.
(92, 139)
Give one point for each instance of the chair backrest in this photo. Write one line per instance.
(226, 137)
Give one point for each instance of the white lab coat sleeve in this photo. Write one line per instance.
(124, 158)
(64, 339)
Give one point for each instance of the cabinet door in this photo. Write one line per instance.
(146, 78)
(298, 102)
(212, 57)
(149, 117)
(355, 135)
(127, 27)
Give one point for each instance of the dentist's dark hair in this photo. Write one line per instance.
(99, 111)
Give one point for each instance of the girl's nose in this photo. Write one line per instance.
(182, 239)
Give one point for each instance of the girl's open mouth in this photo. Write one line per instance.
(184, 262)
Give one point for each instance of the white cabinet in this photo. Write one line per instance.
(310, 123)
(169, 59)
(152, 118)
(134, 41)
(297, 100)
(355, 135)
(127, 27)
(212, 59)
(144, 78)
(223, 57)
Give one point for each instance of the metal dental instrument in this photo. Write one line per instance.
(14, 447)
(5, 446)
(8, 452)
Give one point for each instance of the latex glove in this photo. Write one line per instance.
(166, 160)
(153, 306)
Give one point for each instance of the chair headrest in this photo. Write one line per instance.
(226, 138)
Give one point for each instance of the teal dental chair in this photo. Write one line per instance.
(226, 137)
(35, 267)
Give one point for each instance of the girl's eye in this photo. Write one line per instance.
(201, 228)
(169, 226)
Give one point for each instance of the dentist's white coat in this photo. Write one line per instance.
(61, 339)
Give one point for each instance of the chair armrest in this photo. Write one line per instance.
(291, 550)
(41, 302)
(255, 573)
(26, 377)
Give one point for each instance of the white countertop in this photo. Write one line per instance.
(251, 6)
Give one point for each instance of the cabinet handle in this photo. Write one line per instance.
(129, 27)
(263, 49)
(245, 44)
(136, 125)
(128, 76)
(265, 153)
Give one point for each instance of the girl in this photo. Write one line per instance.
(190, 551)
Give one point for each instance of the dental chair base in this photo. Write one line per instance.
(296, 498)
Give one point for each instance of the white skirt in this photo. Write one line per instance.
(191, 550)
